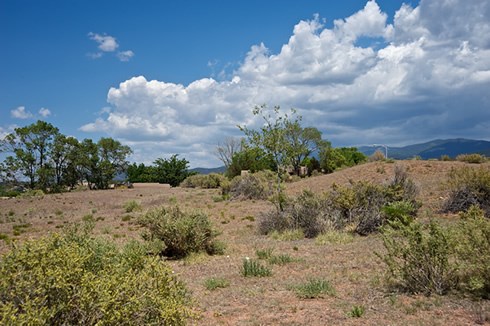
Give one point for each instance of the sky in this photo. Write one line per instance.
(178, 77)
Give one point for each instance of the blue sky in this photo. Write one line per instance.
(171, 77)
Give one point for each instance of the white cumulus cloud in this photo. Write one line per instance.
(107, 44)
(125, 55)
(21, 113)
(43, 112)
(427, 78)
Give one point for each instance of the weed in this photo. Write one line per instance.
(214, 283)
(314, 288)
(132, 206)
(126, 218)
(88, 218)
(18, 229)
(281, 259)
(288, 235)
(4, 237)
(334, 237)
(249, 218)
(252, 267)
(264, 253)
(58, 212)
(357, 311)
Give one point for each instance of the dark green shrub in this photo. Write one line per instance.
(468, 186)
(75, 279)
(418, 258)
(182, 232)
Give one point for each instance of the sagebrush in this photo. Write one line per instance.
(75, 279)
(182, 232)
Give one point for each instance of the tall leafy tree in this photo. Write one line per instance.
(32, 146)
(172, 171)
(271, 138)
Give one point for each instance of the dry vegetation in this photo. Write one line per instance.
(223, 296)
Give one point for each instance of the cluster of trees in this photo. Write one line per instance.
(172, 171)
(282, 143)
(46, 159)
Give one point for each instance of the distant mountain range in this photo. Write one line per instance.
(220, 169)
(433, 149)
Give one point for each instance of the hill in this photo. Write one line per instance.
(220, 169)
(434, 149)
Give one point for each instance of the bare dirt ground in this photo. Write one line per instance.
(354, 270)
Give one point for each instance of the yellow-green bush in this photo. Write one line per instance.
(206, 181)
(182, 232)
(471, 158)
(74, 279)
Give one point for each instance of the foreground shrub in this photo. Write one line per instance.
(472, 244)
(182, 232)
(468, 186)
(471, 158)
(418, 258)
(74, 279)
(432, 259)
(206, 181)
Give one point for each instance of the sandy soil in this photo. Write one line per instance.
(353, 268)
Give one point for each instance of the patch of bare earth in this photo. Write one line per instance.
(353, 268)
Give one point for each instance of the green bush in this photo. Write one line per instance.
(471, 158)
(472, 244)
(182, 232)
(260, 185)
(132, 206)
(418, 258)
(399, 212)
(206, 181)
(76, 279)
(432, 259)
(468, 186)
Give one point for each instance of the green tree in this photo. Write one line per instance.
(272, 139)
(31, 146)
(250, 158)
(301, 142)
(172, 171)
(62, 151)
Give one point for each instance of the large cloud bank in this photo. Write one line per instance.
(362, 81)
